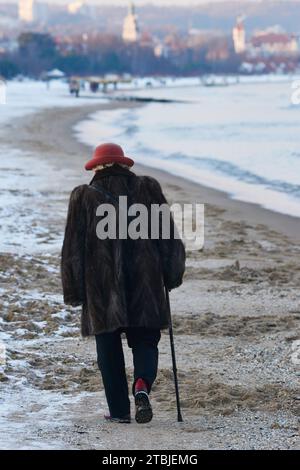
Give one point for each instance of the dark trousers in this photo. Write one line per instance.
(144, 345)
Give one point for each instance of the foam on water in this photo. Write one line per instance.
(243, 139)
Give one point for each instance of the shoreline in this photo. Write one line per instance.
(235, 209)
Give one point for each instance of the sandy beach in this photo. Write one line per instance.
(236, 320)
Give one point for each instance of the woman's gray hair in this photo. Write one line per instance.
(108, 165)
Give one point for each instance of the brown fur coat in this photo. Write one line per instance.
(119, 283)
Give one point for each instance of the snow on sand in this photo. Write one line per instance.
(236, 318)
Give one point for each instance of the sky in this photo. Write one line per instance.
(138, 2)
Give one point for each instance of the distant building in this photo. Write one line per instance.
(26, 10)
(131, 31)
(268, 43)
(239, 36)
(219, 50)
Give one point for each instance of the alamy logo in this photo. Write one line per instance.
(137, 221)
(295, 97)
(2, 92)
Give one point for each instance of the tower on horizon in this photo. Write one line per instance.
(131, 29)
(239, 35)
(26, 10)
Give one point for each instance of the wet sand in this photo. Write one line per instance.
(236, 320)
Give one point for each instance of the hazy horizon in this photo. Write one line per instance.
(154, 2)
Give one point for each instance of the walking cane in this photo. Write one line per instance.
(179, 416)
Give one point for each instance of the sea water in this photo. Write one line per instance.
(243, 138)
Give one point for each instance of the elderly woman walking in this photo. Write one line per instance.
(119, 281)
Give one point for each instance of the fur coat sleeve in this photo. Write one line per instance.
(73, 251)
(172, 250)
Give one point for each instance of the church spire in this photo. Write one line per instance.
(131, 28)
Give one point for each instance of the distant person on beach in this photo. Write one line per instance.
(119, 279)
(74, 86)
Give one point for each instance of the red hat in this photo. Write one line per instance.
(108, 153)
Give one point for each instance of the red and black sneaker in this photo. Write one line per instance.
(124, 420)
(143, 409)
